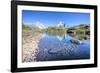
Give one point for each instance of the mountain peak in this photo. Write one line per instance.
(39, 25)
(60, 24)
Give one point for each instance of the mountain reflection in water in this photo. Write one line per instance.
(52, 48)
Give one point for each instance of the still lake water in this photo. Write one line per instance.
(52, 48)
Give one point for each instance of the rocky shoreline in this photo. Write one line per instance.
(30, 45)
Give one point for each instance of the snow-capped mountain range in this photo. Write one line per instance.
(38, 25)
(41, 26)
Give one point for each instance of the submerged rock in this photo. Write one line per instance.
(75, 41)
(53, 51)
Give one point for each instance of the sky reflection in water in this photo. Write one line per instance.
(52, 48)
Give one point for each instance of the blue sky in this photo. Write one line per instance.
(53, 18)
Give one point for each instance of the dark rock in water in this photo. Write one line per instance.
(75, 41)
